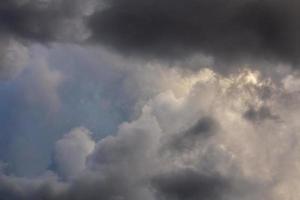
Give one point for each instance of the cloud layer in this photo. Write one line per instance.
(232, 32)
(228, 30)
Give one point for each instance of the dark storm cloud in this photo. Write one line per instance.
(230, 30)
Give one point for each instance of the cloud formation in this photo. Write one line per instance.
(223, 154)
(187, 135)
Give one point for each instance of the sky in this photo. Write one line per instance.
(149, 100)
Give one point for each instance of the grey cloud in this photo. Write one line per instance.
(71, 152)
(37, 20)
(233, 30)
(13, 57)
(260, 114)
(186, 140)
(14, 188)
(24, 22)
(205, 127)
(190, 185)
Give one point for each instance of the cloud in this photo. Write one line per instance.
(72, 151)
(26, 22)
(185, 141)
(231, 31)
(259, 115)
(224, 156)
(189, 185)
(187, 135)
(42, 21)
(14, 56)
(43, 83)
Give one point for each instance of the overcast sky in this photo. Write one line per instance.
(149, 99)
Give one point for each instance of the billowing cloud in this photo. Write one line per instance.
(71, 152)
(161, 133)
(196, 145)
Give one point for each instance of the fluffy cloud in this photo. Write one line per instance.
(71, 152)
(215, 141)
(187, 134)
